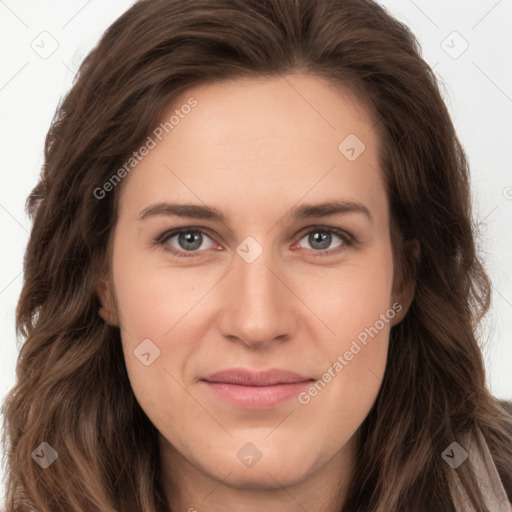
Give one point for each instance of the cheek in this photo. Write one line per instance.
(152, 299)
(353, 372)
(357, 308)
(352, 298)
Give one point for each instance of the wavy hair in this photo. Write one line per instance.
(72, 389)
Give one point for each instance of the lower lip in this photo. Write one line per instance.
(256, 397)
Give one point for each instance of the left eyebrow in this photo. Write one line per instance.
(303, 211)
(329, 209)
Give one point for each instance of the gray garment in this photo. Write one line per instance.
(488, 478)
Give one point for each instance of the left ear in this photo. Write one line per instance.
(403, 291)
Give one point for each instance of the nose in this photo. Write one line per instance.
(259, 309)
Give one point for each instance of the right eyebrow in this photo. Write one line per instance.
(193, 211)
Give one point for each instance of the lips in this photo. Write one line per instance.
(244, 377)
(255, 390)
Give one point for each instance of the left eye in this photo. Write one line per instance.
(190, 241)
(322, 239)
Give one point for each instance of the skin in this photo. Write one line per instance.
(255, 149)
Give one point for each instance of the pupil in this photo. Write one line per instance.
(188, 238)
(323, 237)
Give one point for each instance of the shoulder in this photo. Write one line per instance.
(488, 478)
(506, 479)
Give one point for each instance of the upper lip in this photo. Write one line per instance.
(245, 377)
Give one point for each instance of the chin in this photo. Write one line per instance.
(273, 469)
(264, 476)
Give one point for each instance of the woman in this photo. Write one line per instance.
(260, 370)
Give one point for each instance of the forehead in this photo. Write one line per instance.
(272, 115)
(260, 141)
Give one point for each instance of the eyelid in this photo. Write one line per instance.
(348, 240)
(162, 239)
(328, 229)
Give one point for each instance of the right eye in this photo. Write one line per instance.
(189, 240)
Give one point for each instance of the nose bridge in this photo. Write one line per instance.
(257, 306)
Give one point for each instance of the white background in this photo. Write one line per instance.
(476, 85)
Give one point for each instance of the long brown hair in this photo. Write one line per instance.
(72, 389)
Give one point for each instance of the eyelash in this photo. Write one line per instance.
(347, 239)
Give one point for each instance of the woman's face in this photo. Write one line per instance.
(277, 283)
